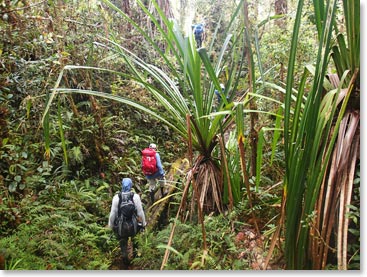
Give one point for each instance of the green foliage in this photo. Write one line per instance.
(310, 129)
(187, 253)
(234, 169)
(66, 233)
(35, 186)
(55, 199)
(301, 158)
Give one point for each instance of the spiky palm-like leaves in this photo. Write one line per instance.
(311, 129)
(336, 189)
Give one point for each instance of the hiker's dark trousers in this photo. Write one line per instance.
(199, 41)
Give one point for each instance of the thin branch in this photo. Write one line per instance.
(24, 8)
(82, 23)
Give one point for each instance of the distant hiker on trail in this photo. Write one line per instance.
(153, 170)
(127, 217)
(198, 31)
(219, 95)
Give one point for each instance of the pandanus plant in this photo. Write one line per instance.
(185, 89)
(321, 134)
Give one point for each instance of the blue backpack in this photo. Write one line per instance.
(199, 29)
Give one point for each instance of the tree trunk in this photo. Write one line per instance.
(281, 8)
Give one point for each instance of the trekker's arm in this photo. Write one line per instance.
(159, 164)
(139, 208)
(114, 210)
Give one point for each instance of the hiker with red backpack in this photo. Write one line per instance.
(127, 217)
(153, 170)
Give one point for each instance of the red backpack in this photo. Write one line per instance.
(149, 162)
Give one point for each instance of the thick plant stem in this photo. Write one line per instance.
(224, 157)
(246, 180)
(253, 116)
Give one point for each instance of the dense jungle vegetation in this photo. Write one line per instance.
(266, 176)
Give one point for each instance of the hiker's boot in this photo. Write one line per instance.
(151, 197)
(125, 259)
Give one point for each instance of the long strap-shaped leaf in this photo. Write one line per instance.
(304, 143)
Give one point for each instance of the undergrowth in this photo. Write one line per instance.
(62, 234)
(186, 251)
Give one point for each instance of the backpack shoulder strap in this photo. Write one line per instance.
(132, 197)
(118, 207)
(132, 200)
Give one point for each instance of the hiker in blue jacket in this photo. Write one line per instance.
(126, 187)
(198, 31)
(156, 178)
